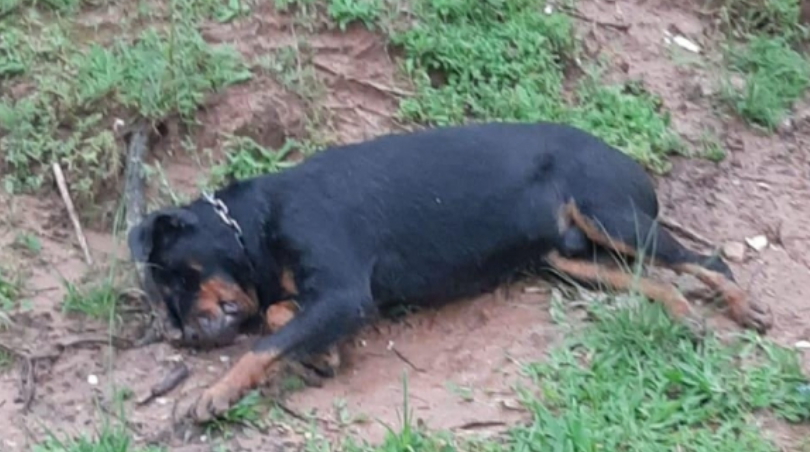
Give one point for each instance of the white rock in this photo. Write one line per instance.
(734, 251)
(684, 43)
(92, 380)
(758, 243)
(803, 344)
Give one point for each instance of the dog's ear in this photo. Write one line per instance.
(159, 227)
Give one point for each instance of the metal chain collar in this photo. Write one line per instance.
(222, 211)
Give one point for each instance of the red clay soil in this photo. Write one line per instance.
(762, 187)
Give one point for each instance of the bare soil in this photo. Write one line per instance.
(761, 188)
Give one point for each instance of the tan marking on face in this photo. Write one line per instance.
(215, 290)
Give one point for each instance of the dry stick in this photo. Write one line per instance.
(684, 231)
(175, 376)
(63, 190)
(371, 84)
(137, 142)
(578, 15)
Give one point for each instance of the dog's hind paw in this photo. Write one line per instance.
(757, 317)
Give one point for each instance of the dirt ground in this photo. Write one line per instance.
(762, 187)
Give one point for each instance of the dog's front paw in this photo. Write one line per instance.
(214, 402)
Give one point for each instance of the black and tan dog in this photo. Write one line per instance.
(423, 217)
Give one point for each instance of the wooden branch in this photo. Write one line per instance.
(77, 226)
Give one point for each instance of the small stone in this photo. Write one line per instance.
(224, 358)
(785, 126)
(734, 251)
(758, 243)
(92, 380)
(803, 344)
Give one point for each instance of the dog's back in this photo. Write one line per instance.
(428, 207)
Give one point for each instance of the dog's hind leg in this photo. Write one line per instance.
(636, 234)
(593, 273)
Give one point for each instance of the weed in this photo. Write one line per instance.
(248, 412)
(344, 12)
(28, 242)
(97, 300)
(109, 439)
(635, 380)
(776, 18)
(773, 76)
(9, 291)
(246, 158)
(628, 117)
(711, 147)
(157, 75)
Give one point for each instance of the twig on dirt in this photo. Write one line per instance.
(301, 417)
(578, 15)
(369, 83)
(175, 376)
(478, 424)
(406, 360)
(684, 231)
(28, 384)
(77, 226)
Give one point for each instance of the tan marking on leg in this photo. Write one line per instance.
(287, 281)
(674, 302)
(596, 234)
(279, 314)
(732, 294)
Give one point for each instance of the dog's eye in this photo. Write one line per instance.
(229, 307)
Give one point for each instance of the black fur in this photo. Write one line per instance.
(424, 217)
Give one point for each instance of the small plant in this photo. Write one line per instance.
(344, 12)
(109, 439)
(248, 412)
(28, 242)
(246, 158)
(8, 297)
(774, 18)
(97, 300)
(771, 76)
(157, 75)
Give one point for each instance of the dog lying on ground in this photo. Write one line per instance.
(419, 218)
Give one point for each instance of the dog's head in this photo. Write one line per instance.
(200, 272)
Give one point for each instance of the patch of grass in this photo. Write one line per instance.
(776, 18)
(97, 300)
(504, 60)
(633, 380)
(65, 118)
(771, 77)
(344, 12)
(248, 412)
(9, 292)
(109, 439)
(246, 158)
(28, 242)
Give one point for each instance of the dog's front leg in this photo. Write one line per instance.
(319, 325)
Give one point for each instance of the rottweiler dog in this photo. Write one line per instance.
(421, 218)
